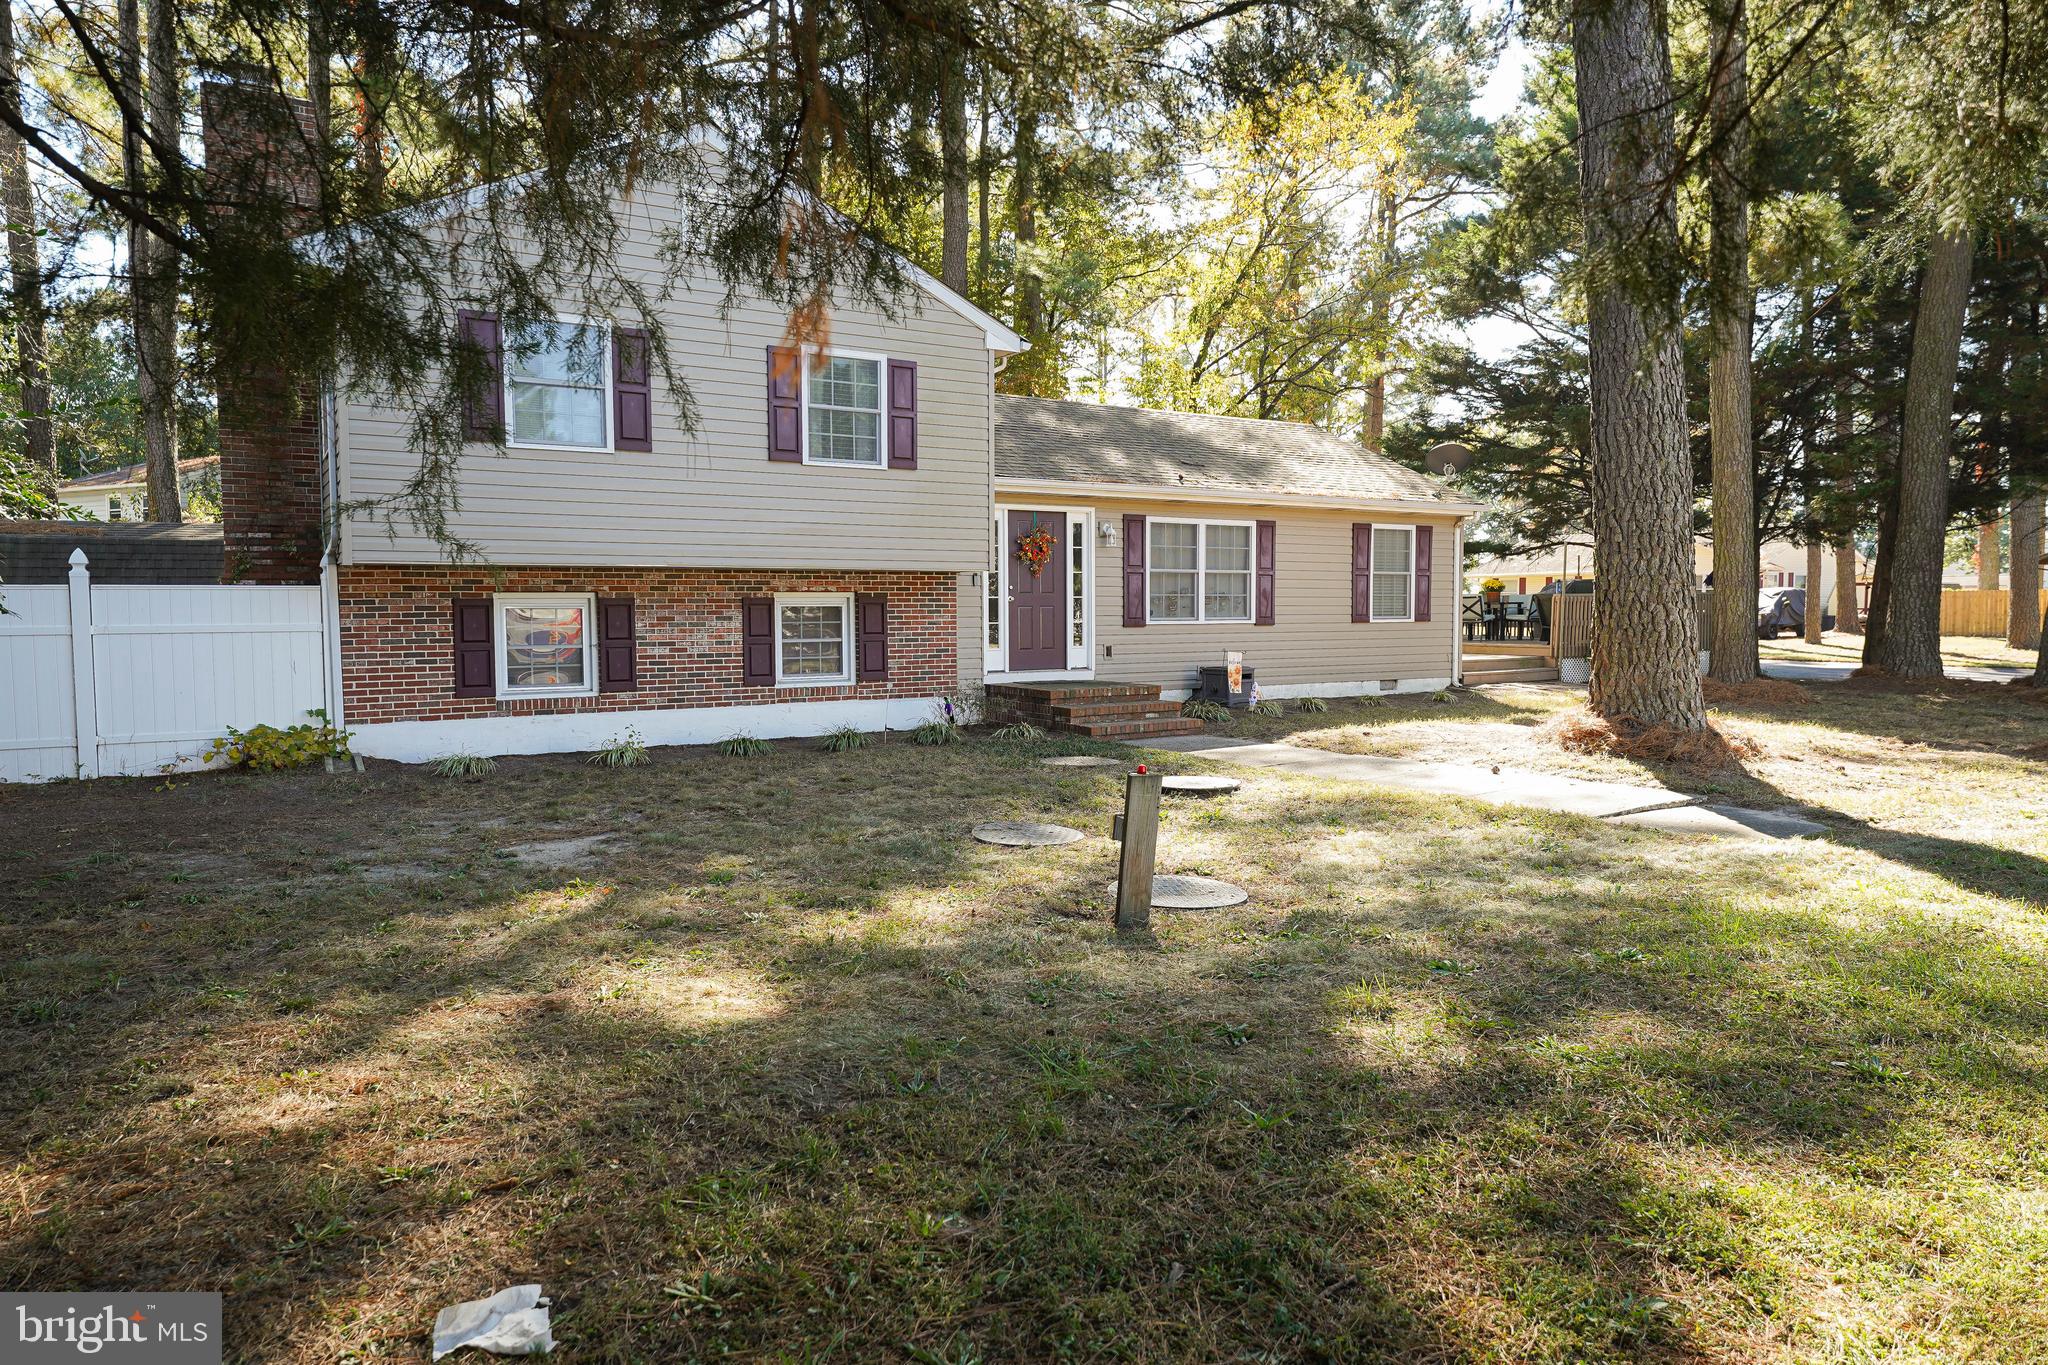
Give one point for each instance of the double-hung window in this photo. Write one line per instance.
(558, 386)
(813, 639)
(1393, 573)
(842, 409)
(1199, 570)
(544, 645)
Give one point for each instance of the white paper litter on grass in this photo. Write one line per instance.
(511, 1322)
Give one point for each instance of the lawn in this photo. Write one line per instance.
(761, 1057)
(1957, 651)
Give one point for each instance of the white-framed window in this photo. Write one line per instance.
(116, 511)
(558, 385)
(544, 644)
(1198, 570)
(1393, 573)
(813, 639)
(843, 394)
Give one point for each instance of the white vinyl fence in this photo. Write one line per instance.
(126, 681)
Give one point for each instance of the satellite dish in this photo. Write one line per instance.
(1448, 457)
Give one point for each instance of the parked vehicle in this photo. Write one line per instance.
(1784, 609)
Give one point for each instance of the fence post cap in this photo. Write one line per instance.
(78, 560)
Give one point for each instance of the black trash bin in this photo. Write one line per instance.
(1215, 686)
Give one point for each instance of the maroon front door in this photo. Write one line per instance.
(1038, 601)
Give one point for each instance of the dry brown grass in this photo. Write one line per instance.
(1585, 733)
(1755, 692)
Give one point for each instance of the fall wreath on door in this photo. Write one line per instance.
(1035, 548)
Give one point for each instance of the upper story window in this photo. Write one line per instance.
(843, 409)
(1199, 570)
(558, 386)
(544, 645)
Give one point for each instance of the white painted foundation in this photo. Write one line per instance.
(418, 741)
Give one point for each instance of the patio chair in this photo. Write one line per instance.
(1539, 619)
(1473, 615)
(1514, 616)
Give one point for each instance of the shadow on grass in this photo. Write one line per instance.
(797, 1070)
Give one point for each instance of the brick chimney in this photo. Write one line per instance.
(260, 149)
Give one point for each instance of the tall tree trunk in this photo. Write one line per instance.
(953, 174)
(1816, 600)
(1848, 610)
(1024, 219)
(373, 81)
(24, 265)
(1848, 613)
(1646, 649)
(152, 268)
(1730, 326)
(320, 75)
(1990, 558)
(1911, 644)
(1376, 387)
(1879, 615)
(2023, 608)
(982, 172)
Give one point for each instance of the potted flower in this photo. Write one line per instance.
(1492, 588)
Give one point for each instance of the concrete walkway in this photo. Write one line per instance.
(1642, 807)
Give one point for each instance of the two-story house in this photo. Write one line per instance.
(850, 535)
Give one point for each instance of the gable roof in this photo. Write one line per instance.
(1052, 441)
(133, 473)
(999, 337)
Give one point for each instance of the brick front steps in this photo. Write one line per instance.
(1096, 710)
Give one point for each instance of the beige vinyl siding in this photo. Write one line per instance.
(1313, 639)
(973, 607)
(711, 498)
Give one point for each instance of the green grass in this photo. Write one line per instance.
(1957, 651)
(789, 1068)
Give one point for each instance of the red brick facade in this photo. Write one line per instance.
(397, 647)
(261, 150)
(269, 482)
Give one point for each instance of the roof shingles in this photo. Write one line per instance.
(1050, 440)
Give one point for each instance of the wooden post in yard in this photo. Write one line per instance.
(1140, 827)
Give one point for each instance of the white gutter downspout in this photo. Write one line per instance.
(330, 580)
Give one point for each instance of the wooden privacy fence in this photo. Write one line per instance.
(1976, 611)
(1571, 622)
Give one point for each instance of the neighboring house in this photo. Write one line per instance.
(1534, 572)
(1780, 564)
(835, 543)
(120, 494)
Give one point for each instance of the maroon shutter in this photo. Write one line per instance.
(476, 672)
(1361, 571)
(1134, 571)
(757, 641)
(632, 399)
(871, 634)
(617, 669)
(1425, 545)
(785, 407)
(1262, 577)
(483, 404)
(902, 414)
